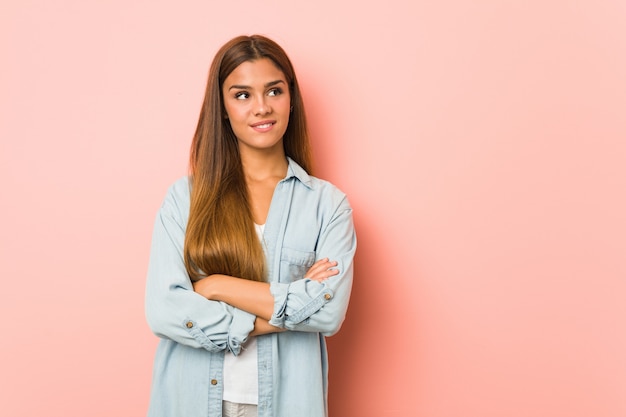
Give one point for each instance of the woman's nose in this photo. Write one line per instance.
(262, 106)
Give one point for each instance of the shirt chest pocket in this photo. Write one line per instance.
(294, 264)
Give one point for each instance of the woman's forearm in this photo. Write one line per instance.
(251, 296)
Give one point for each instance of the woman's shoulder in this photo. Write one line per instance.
(324, 186)
(328, 194)
(178, 195)
(313, 183)
(180, 187)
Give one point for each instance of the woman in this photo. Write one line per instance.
(251, 259)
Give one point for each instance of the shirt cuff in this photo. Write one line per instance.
(240, 328)
(295, 302)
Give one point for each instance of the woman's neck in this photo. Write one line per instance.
(259, 166)
(262, 171)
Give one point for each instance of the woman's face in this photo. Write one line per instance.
(257, 102)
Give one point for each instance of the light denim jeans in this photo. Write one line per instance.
(238, 410)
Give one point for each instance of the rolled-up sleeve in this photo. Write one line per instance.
(173, 309)
(306, 305)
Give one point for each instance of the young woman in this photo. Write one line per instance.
(251, 259)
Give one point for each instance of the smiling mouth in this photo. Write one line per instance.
(263, 125)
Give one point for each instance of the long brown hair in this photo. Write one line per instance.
(220, 237)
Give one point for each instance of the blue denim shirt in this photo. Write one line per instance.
(309, 219)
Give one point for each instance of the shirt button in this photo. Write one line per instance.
(214, 382)
(328, 296)
(189, 325)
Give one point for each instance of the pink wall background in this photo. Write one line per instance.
(482, 145)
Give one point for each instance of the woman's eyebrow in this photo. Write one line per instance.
(273, 83)
(247, 87)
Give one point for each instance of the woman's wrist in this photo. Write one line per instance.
(262, 326)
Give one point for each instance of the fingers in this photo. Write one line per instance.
(320, 266)
(322, 270)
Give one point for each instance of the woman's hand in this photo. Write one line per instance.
(322, 270)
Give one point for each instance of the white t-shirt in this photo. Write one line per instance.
(241, 373)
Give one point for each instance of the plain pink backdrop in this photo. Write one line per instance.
(482, 144)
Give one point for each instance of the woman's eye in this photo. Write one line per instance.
(242, 95)
(274, 92)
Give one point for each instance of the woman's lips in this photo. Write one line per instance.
(263, 126)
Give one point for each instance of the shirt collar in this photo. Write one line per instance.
(295, 170)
